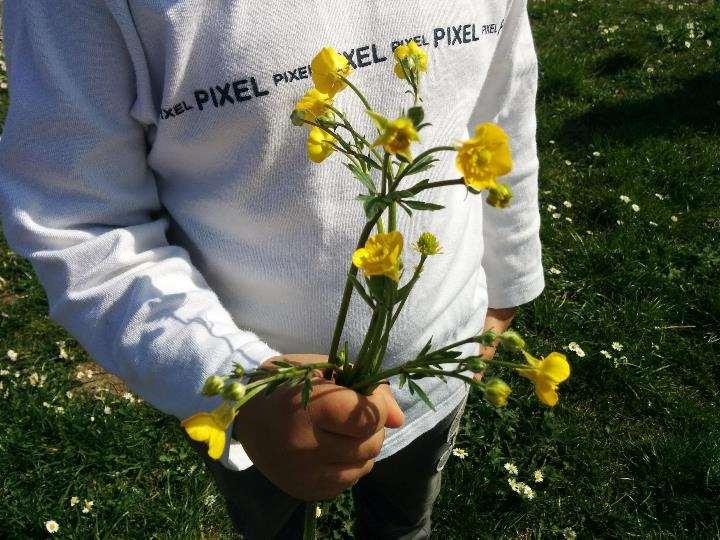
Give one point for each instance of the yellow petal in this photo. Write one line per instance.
(216, 444)
(198, 431)
(547, 394)
(556, 367)
(359, 256)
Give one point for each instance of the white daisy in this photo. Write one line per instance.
(574, 347)
(606, 354)
(617, 346)
(12, 355)
(74, 500)
(87, 506)
(52, 526)
(459, 453)
(625, 199)
(538, 476)
(511, 468)
(635, 208)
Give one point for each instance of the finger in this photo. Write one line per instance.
(395, 416)
(333, 448)
(345, 412)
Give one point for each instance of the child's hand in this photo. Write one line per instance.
(316, 453)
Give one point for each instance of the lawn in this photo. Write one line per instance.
(629, 141)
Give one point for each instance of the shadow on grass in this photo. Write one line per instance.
(694, 104)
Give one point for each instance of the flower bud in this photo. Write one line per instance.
(427, 244)
(239, 371)
(497, 392)
(475, 364)
(234, 391)
(499, 196)
(213, 385)
(512, 340)
(486, 338)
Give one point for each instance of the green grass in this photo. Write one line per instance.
(633, 450)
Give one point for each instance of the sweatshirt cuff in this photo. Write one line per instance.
(522, 292)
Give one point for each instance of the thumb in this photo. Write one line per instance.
(395, 415)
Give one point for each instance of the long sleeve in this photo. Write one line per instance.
(512, 256)
(79, 201)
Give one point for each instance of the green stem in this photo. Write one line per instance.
(358, 136)
(310, 521)
(380, 353)
(347, 293)
(376, 378)
(410, 285)
(357, 92)
(441, 183)
(384, 182)
(369, 336)
(346, 148)
(401, 175)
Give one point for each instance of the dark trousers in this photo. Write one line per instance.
(394, 501)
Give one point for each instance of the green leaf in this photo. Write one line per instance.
(404, 207)
(363, 176)
(415, 388)
(426, 348)
(422, 205)
(271, 387)
(361, 291)
(372, 204)
(416, 114)
(306, 390)
(282, 363)
(402, 379)
(423, 164)
(410, 192)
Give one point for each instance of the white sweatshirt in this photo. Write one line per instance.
(150, 174)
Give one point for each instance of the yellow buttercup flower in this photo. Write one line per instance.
(546, 374)
(313, 104)
(395, 135)
(210, 427)
(412, 57)
(381, 255)
(327, 67)
(319, 144)
(484, 157)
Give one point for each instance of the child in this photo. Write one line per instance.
(149, 172)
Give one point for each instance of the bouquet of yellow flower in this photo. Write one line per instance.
(382, 166)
